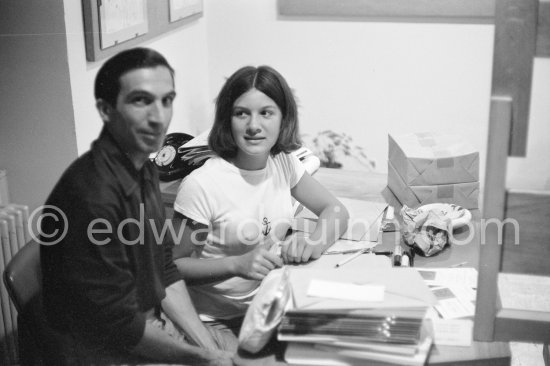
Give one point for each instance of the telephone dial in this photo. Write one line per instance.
(168, 159)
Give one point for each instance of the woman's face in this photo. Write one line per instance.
(255, 124)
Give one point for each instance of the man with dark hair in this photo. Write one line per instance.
(110, 287)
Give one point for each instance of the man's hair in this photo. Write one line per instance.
(271, 83)
(107, 81)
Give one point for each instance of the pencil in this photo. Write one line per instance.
(350, 258)
(459, 264)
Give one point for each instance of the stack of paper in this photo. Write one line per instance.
(352, 316)
(433, 168)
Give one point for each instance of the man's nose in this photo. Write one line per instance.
(159, 114)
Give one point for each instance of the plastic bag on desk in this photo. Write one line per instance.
(266, 311)
(429, 231)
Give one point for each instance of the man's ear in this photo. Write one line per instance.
(105, 110)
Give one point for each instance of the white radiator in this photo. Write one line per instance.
(13, 236)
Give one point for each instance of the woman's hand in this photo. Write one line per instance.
(298, 249)
(257, 263)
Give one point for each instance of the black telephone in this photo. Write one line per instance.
(168, 159)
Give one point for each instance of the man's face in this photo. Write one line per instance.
(143, 111)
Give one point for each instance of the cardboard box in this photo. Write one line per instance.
(462, 194)
(426, 159)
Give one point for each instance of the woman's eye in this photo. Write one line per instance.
(239, 113)
(267, 113)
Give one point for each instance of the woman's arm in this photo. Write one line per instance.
(254, 265)
(331, 224)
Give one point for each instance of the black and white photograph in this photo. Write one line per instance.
(275, 182)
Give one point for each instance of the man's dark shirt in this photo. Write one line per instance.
(101, 292)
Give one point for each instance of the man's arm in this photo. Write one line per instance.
(179, 308)
(157, 345)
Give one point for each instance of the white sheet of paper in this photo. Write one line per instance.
(523, 291)
(343, 246)
(345, 291)
(455, 332)
(463, 276)
(454, 302)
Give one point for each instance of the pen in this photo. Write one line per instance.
(348, 251)
(385, 252)
(348, 259)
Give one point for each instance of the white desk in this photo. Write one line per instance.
(368, 186)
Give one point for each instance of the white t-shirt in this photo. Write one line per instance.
(241, 208)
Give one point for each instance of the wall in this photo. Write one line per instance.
(184, 48)
(37, 134)
(365, 78)
(533, 171)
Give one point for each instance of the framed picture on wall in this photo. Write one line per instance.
(180, 9)
(111, 26)
(121, 20)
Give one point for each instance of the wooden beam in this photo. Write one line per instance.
(469, 10)
(543, 29)
(493, 209)
(514, 50)
(522, 326)
(526, 247)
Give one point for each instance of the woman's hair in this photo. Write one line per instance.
(107, 81)
(271, 83)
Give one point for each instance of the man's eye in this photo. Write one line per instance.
(168, 101)
(141, 101)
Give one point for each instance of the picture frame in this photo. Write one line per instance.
(121, 20)
(180, 9)
(111, 26)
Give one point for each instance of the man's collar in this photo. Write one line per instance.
(121, 165)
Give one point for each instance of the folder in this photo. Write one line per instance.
(404, 287)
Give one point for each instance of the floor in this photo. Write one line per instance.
(530, 293)
(526, 354)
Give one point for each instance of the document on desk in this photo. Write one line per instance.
(364, 223)
(454, 302)
(463, 276)
(345, 291)
(403, 287)
(455, 289)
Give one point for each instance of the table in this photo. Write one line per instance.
(371, 187)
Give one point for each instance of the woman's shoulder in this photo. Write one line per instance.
(211, 169)
(285, 160)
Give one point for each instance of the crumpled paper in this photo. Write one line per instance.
(429, 231)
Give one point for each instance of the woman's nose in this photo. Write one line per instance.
(253, 127)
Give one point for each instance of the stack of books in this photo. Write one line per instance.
(353, 337)
(348, 329)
